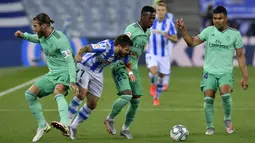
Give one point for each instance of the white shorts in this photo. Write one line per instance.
(90, 80)
(162, 63)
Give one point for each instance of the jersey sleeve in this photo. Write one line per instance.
(99, 47)
(238, 41)
(31, 37)
(128, 31)
(204, 34)
(172, 29)
(126, 60)
(67, 54)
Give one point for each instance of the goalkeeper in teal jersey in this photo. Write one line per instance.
(130, 92)
(221, 43)
(61, 75)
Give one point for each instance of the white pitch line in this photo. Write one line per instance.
(142, 110)
(18, 87)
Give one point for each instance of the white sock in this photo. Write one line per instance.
(109, 118)
(167, 78)
(83, 115)
(124, 127)
(73, 108)
(153, 78)
(159, 87)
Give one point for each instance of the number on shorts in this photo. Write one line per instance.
(82, 72)
(121, 76)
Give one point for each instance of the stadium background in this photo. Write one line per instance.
(87, 21)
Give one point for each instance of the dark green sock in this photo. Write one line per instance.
(119, 104)
(36, 108)
(209, 111)
(62, 108)
(227, 105)
(131, 112)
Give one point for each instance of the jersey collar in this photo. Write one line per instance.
(53, 30)
(141, 27)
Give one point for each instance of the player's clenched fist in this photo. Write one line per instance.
(78, 58)
(180, 24)
(19, 34)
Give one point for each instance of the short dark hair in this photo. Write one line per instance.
(220, 9)
(43, 19)
(123, 40)
(146, 9)
(161, 3)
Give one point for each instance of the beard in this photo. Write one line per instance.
(40, 34)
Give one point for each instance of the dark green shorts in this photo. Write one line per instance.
(122, 81)
(214, 82)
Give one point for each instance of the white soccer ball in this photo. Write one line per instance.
(179, 133)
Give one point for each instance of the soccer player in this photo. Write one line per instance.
(130, 92)
(93, 59)
(61, 75)
(160, 45)
(221, 43)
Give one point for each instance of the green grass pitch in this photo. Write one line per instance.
(182, 104)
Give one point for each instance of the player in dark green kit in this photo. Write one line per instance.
(221, 43)
(130, 92)
(61, 75)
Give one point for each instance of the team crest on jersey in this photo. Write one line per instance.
(128, 34)
(66, 53)
(98, 46)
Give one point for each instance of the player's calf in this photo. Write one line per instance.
(75, 103)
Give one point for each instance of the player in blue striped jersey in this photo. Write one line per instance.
(159, 50)
(92, 60)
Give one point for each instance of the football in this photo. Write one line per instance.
(179, 133)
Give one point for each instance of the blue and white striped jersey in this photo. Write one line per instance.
(101, 56)
(158, 44)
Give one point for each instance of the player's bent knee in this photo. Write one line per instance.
(136, 96)
(126, 92)
(209, 93)
(161, 75)
(153, 70)
(59, 89)
(92, 105)
(30, 96)
(126, 97)
(81, 95)
(34, 89)
(225, 89)
(209, 100)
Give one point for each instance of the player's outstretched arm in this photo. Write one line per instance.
(191, 41)
(26, 36)
(242, 65)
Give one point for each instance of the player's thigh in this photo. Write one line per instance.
(45, 85)
(83, 78)
(163, 65)
(95, 86)
(136, 86)
(121, 79)
(208, 82)
(151, 62)
(61, 84)
(226, 83)
(92, 100)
